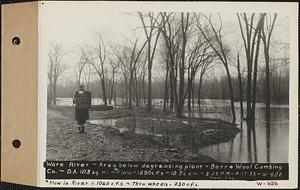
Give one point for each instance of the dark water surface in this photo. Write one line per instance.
(261, 145)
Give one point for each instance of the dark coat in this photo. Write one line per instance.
(81, 114)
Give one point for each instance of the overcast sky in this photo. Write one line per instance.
(73, 23)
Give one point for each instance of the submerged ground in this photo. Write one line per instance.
(120, 135)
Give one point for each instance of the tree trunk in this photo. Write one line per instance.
(115, 96)
(249, 87)
(199, 90)
(193, 93)
(189, 91)
(181, 91)
(103, 91)
(130, 92)
(126, 93)
(150, 54)
(136, 91)
(266, 41)
(231, 94)
(172, 88)
(240, 88)
(143, 87)
(175, 90)
(166, 90)
(181, 81)
(50, 98)
(255, 77)
(149, 89)
(149, 75)
(267, 59)
(184, 27)
(54, 92)
(112, 88)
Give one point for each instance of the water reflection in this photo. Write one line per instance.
(231, 151)
(254, 143)
(268, 139)
(259, 141)
(241, 142)
(249, 147)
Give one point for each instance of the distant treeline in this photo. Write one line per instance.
(212, 89)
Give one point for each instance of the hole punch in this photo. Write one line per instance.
(16, 143)
(16, 41)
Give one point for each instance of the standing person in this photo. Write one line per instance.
(82, 101)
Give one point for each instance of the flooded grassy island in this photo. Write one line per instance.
(123, 135)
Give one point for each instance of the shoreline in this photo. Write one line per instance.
(155, 138)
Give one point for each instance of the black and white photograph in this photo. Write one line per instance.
(168, 86)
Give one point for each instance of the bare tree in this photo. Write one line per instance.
(143, 83)
(129, 60)
(219, 48)
(240, 87)
(87, 73)
(266, 38)
(150, 32)
(80, 66)
(199, 59)
(139, 73)
(204, 66)
(166, 65)
(113, 71)
(125, 73)
(101, 53)
(251, 38)
(185, 19)
(50, 74)
(259, 28)
(56, 67)
(170, 32)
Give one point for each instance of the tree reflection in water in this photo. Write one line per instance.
(268, 139)
(253, 143)
(249, 147)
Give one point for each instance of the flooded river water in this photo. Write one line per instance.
(262, 146)
(258, 145)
